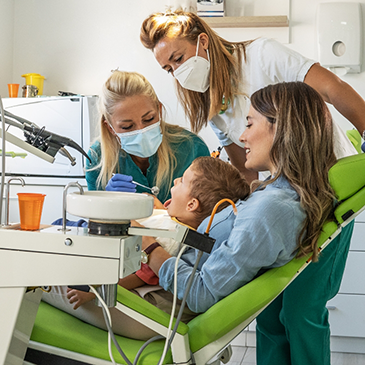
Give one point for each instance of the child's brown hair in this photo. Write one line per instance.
(215, 180)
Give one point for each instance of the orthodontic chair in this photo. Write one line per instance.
(206, 338)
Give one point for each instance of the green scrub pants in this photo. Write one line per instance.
(294, 328)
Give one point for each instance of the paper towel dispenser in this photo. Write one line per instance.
(339, 28)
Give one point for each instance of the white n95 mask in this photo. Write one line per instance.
(193, 74)
(142, 142)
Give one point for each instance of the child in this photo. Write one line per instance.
(193, 197)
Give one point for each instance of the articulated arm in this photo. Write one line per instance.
(43, 140)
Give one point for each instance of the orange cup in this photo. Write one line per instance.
(30, 208)
(13, 90)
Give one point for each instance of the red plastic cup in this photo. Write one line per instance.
(30, 208)
(13, 90)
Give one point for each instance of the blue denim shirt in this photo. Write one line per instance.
(263, 235)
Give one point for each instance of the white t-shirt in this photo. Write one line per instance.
(267, 62)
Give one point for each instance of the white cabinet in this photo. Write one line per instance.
(347, 315)
(347, 309)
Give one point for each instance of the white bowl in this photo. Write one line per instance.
(109, 206)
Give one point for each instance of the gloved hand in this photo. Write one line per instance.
(120, 182)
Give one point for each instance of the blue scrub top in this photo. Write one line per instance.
(186, 151)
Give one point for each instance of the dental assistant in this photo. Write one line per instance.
(216, 77)
(135, 143)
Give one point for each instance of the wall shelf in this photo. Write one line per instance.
(248, 21)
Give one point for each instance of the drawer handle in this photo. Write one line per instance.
(331, 307)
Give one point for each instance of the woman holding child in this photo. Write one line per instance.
(214, 80)
(282, 217)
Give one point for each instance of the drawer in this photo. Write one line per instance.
(347, 315)
(353, 279)
(358, 237)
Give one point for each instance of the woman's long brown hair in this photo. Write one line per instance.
(302, 151)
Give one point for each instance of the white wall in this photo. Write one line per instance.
(6, 45)
(75, 44)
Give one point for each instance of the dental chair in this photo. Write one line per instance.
(206, 338)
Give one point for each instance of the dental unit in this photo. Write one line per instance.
(107, 250)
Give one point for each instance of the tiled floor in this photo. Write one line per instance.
(247, 356)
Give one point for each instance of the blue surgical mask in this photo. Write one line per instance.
(141, 142)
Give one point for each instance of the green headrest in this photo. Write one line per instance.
(347, 176)
(355, 138)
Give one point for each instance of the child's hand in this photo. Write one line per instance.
(79, 297)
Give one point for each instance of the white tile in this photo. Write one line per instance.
(238, 353)
(338, 358)
(240, 340)
(250, 356)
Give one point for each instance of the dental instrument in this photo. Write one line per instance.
(154, 190)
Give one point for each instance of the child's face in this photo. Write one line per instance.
(179, 204)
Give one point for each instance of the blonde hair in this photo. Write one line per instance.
(226, 58)
(302, 151)
(120, 85)
(215, 180)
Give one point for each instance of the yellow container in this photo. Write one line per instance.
(36, 80)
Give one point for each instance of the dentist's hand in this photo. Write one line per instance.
(120, 182)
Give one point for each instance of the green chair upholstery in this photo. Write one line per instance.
(347, 178)
(355, 138)
(61, 330)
